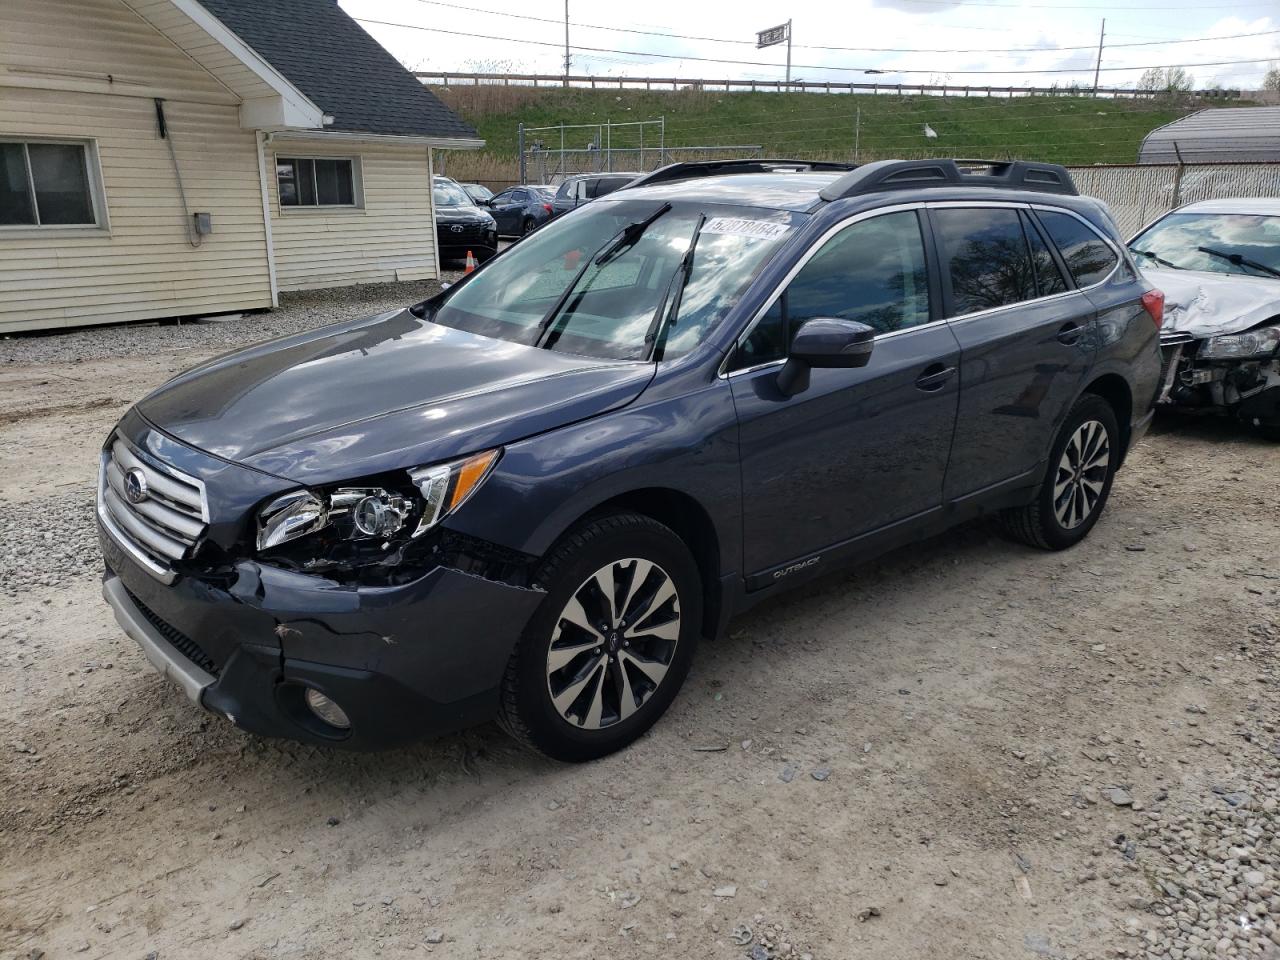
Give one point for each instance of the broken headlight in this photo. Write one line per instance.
(1256, 343)
(375, 513)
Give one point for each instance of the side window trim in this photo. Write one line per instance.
(936, 317)
(1031, 222)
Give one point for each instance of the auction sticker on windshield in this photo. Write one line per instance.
(740, 227)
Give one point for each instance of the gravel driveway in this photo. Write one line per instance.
(966, 750)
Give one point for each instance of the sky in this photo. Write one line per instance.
(997, 42)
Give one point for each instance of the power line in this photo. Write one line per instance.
(801, 66)
(813, 46)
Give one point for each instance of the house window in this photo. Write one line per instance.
(46, 184)
(317, 182)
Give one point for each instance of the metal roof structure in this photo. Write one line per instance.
(1216, 135)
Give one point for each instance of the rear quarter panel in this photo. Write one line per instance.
(1128, 339)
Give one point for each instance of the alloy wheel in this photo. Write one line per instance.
(1081, 476)
(613, 643)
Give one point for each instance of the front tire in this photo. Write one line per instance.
(609, 647)
(1082, 465)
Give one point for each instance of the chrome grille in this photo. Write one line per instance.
(164, 523)
(1173, 337)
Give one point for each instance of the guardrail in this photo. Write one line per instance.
(446, 79)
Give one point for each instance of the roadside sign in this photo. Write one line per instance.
(774, 35)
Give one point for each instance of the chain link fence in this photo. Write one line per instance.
(1138, 193)
(552, 166)
(549, 154)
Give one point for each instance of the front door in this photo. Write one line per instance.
(860, 449)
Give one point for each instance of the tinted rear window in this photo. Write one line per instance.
(987, 257)
(1088, 259)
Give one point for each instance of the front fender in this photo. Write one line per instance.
(687, 444)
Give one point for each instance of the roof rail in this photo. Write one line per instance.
(914, 174)
(711, 168)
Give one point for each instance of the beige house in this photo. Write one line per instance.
(168, 158)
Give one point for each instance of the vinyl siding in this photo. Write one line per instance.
(142, 267)
(391, 238)
(89, 40)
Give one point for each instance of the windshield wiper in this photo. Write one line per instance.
(1237, 260)
(666, 314)
(624, 238)
(628, 236)
(1160, 260)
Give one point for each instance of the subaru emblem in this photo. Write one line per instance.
(135, 486)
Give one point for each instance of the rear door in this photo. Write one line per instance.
(1027, 339)
(857, 450)
(507, 209)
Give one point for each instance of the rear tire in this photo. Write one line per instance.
(585, 681)
(1082, 465)
(530, 225)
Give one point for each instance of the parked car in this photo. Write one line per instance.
(461, 226)
(1218, 262)
(521, 210)
(575, 191)
(478, 192)
(532, 494)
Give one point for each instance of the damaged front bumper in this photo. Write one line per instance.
(403, 662)
(1245, 389)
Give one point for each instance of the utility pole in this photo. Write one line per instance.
(1097, 69)
(566, 44)
(788, 56)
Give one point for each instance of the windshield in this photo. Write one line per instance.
(448, 194)
(1238, 243)
(611, 310)
(478, 191)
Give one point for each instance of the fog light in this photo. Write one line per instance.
(327, 710)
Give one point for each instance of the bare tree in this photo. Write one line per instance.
(1177, 80)
(1152, 79)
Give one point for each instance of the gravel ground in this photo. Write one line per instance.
(968, 749)
(63, 545)
(297, 312)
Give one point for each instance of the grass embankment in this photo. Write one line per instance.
(1071, 130)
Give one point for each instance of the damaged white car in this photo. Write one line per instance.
(1218, 263)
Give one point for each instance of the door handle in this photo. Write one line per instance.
(1070, 333)
(934, 377)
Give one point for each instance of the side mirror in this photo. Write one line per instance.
(825, 342)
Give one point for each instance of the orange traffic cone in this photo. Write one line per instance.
(471, 262)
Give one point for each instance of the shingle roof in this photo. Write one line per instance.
(1216, 134)
(343, 70)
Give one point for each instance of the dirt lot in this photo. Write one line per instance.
(967, 750)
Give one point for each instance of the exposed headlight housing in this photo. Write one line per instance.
(376, 513)
(1255, 343)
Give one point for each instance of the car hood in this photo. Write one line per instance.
(462, 215)
(384, 393)
(1207, 304)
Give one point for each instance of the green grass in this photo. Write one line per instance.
(1071, 130)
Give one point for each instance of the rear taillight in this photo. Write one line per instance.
(1153, 303)
(546, 207)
